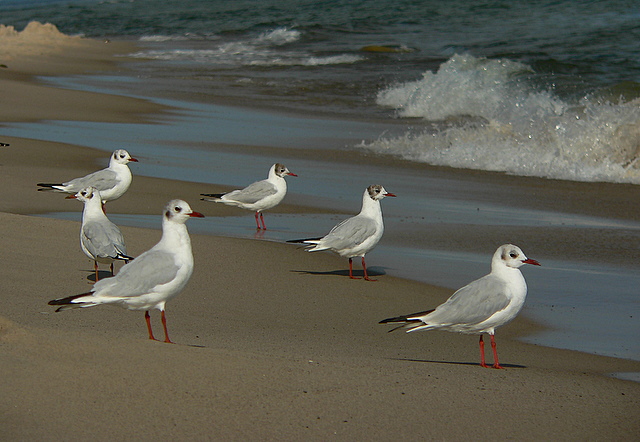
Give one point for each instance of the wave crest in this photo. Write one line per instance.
(487, 115)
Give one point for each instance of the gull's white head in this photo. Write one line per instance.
(377, 192)
(121, 156)
(179, 211)
(87, 194)
(511, 256)
(281, 170)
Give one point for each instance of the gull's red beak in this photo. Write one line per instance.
(71, 197)
(196, 214)
(389, 194)
(133, 159)
(292, 174)
(531, 261)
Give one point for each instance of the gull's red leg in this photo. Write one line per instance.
(257, 222)
(264, 227)
(351, 270)
(496, 364)
(482, 363)
(148, 319)
(364, 267)
(164, 325)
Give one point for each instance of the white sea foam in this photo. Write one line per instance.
(294, 59)
(487, 115)
(163, 38)
(264, 50)
(279, 36)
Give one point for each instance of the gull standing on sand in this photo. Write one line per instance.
(100, 239)
(259, 196)
(152, 278)
(481, 306)
(357, 235)
(112, 182)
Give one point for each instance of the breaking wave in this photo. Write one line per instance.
(488, 114)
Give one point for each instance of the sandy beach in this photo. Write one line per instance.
(272, 343)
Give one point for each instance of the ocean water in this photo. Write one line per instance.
(537, 88)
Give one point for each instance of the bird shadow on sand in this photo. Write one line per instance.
(427, 361)
(102, 274)
(185, 345)
(372, 271)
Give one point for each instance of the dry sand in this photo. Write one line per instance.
(273, 343)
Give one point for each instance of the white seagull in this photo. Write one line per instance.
(152, 278)
(112, 182)
(481, 306)
(357, 235)
(259, 196)
(100, 239)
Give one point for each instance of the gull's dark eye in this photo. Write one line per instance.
(121, 156)
(514, 255)
(178, 209)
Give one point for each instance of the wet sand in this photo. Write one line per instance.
(273, 343)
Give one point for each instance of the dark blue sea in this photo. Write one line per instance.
(537, 88)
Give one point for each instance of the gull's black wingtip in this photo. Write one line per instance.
(304, 240)
(67, 300)
(406, 318)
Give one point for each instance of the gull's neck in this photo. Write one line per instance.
(506, 272)
(114, 165)
(370, 207)
(175, 236)
(93, 209)
(277, 180)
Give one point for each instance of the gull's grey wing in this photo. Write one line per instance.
(102, 180)
(253, 192)
(473, 303)
(140, 276)
(103, 239)
(350, 232)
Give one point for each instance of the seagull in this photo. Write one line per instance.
(112, 182)
(481, 306)
(100, 239)
(152, 278)
(357, 235)
(259, 196)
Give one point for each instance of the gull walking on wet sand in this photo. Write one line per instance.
(112, 182)
(259, 196)
(481, 306)
(357, 235)
(153, 278)
(100, 239)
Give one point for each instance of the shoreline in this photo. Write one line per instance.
(531, 194)
(276, 342)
